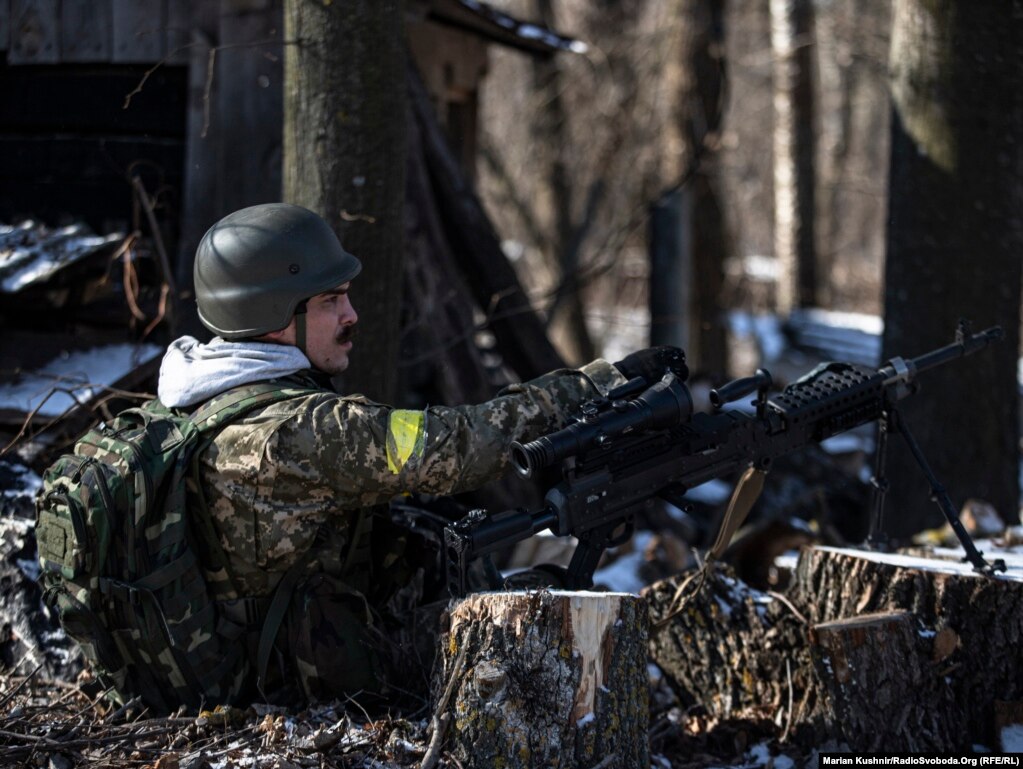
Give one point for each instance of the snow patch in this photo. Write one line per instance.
(1013, 561)
(761, 754)
(766, 330)
(711, 493)
(1012, 738)
(787, 560)
(622, 575)
(30, 568)
(31, 253)
(25, 483)
(74, 378)
(846, 443)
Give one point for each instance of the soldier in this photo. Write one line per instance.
(291, 487)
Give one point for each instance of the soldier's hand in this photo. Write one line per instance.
(652, 363)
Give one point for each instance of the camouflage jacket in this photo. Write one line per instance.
(280, 476)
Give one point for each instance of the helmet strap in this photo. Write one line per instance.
(300, 331)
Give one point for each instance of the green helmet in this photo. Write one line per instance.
(254, 267)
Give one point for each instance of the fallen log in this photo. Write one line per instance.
(546, 679)
(974, 623)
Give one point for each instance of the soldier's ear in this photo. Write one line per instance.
(284, 335)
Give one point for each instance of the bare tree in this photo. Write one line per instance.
(617, 145)
(344, 156)
(954, 243)
(701, 113)
(566, 317)
(794, 210)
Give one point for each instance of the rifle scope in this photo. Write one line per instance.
(663, 405)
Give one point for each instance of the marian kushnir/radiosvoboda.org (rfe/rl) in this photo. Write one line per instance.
(911, 759)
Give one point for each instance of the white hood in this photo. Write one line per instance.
(192, 373)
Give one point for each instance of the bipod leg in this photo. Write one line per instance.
(940, 496)
(877, 539)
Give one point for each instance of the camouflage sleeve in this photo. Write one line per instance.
(368, 453)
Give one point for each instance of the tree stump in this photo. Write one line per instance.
(883, 690)
(731, 649)
(547, 678)
(975, 622)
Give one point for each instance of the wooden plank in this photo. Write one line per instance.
(5, 24)
(199, 207)
(520, 332)
(95, 97)
(85, 30)
(248, 92)
(138, 27)
(35, 33)
(178, 34)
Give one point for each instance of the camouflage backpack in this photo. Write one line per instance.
(136, 576)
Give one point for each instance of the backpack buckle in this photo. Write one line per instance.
(247, 612)
(120, 591)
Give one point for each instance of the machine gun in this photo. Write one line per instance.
(644, 441)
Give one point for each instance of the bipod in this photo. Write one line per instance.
(877, 539)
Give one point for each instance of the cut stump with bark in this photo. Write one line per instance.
(972, 624)
(884, 692)
(729, 648)
(546, 679)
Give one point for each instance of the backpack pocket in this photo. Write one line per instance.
(62, 532)
(82, 624)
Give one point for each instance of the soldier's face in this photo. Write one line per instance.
(330, 325)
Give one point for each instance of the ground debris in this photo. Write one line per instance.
(49, 724)
(55, 725)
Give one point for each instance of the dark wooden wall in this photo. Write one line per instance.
(206, 125)
(208, 120)
(68, 149)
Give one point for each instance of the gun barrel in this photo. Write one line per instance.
(963, 346)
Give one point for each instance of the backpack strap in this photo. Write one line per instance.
(209, 418)
(275, 614)
(228, 406)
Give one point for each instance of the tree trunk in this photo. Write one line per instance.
(688, 236)
(974, 623)
(344, 157)
(794, 209)
(702, 107)
(883, 691)
(954, 244)
(567, 319)
(882, 652)
(547, 679)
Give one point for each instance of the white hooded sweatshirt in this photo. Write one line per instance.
(191, 372)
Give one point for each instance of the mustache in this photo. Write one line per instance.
(347, 333)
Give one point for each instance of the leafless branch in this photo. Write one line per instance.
(109, 392)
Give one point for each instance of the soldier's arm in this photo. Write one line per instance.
(368, 453)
